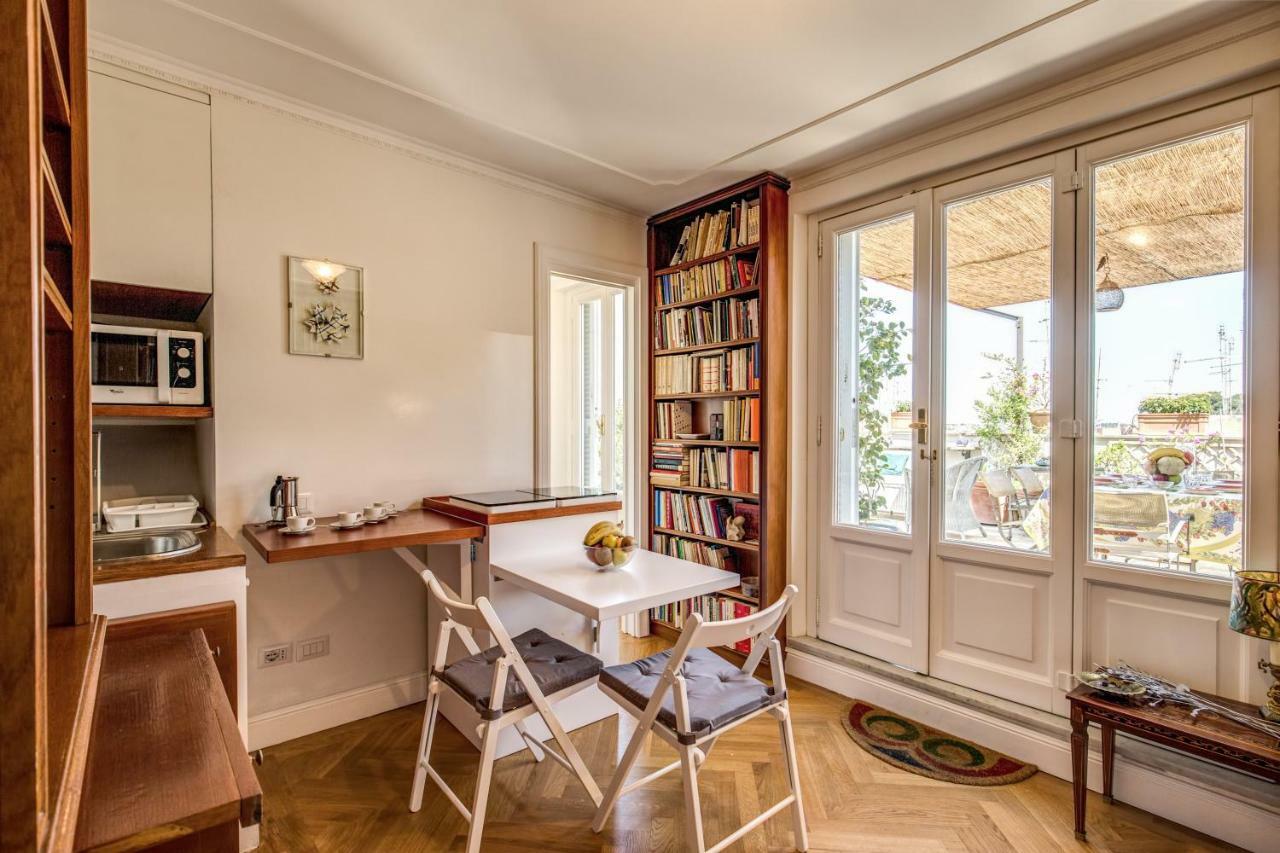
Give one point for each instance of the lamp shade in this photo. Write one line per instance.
(1255, 604)
(324, 272)
(1108, 296)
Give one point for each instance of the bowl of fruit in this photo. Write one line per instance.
(607, 546)
(1166, 465)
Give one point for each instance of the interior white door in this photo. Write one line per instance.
(1002, 361)
(874, 517)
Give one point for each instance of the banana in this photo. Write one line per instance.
(598, 531)
(1161, 452)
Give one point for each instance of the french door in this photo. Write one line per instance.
(874, 585)
(950, 403)
(1048, 416)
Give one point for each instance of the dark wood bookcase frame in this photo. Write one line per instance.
(50, 643)
(769, 284)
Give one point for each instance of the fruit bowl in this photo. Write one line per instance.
(606, 557)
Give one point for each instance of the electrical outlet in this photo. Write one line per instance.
(315, 647)
(275, 655)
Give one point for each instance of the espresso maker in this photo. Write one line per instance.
(284, 499)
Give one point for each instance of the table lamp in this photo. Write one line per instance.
(1255, 612)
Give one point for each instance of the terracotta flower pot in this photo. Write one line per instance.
(1159, 423)
(980, 502)
(1040, 420)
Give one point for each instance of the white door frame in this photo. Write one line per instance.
(549, 260)
(1182, 596)
(899, 631)
(1037, 676)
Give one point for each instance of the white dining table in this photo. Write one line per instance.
(571, 580)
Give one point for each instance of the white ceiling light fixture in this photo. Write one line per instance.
(1139, 238)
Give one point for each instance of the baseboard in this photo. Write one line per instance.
(272, 727)
(1253, 826)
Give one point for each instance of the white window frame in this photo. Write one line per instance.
(632, 279)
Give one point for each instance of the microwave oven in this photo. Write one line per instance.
(139, 365)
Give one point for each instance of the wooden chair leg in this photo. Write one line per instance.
(424, 748)
(619, 779)
(793, 776)
(530, 741)
(571, 752)
(488, 749)
(692, 803)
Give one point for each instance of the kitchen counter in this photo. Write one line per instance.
(409, 527)
(217, 551)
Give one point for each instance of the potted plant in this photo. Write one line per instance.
(1185, 413)
(880, 360)
(1006, 430)
(900, 417)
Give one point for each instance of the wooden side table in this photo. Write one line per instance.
(1209, 737)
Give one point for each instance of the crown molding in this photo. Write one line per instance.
(135, 58)
(1152, 60)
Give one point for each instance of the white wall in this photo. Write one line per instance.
(442, 401)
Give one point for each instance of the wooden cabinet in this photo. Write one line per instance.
(150, 181)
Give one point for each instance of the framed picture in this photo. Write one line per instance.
(326, 308)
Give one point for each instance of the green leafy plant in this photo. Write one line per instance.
(902, 407)
(1115, 459)
(1200, 403)
(879, 361)
(1005, 431)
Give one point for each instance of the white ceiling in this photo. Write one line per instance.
(646, 104)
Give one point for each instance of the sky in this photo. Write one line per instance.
(1134, 352)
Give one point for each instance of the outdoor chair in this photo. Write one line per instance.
(538, 662)
(1135, 525)
(689, 696)
(958, 484)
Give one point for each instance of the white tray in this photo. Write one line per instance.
(149, 513)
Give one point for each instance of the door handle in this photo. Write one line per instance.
(921, 426)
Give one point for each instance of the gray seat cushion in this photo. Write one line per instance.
(718, 691)
(555, 665)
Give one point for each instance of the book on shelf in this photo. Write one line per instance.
(710, 371)
(750, 513)
(722, 276)
(673, 419)
(669, 465)
(712, 608)
(734, 469)
(718, 231)
(739, 420)
(706, 553)
(720, 322)
(701, 515)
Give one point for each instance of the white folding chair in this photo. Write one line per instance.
(546, 671)
(689, 696)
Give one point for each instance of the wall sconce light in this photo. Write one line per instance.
(1108, 296)
(326, 274)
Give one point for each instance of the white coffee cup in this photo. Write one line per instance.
(346, 519)
(299, 523)
(375, 511)
(387, 506)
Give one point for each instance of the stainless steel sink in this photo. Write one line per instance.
(145, 546)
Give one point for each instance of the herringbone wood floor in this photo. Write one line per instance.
(347, 789)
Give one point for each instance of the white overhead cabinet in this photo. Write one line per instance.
(150, 183)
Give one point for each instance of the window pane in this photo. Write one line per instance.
(996, 395)
(876, 273)
(1168, 359)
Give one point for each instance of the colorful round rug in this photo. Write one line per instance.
(914, 746)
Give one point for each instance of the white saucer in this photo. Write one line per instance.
(287, 532)
(339, 526)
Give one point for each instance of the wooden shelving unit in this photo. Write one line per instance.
(764, 557)
(169, 413)
(51, 647)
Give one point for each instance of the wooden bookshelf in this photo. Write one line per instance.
(51, 646)
(764, 557)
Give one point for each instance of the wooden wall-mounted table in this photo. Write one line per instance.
(411, 527)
